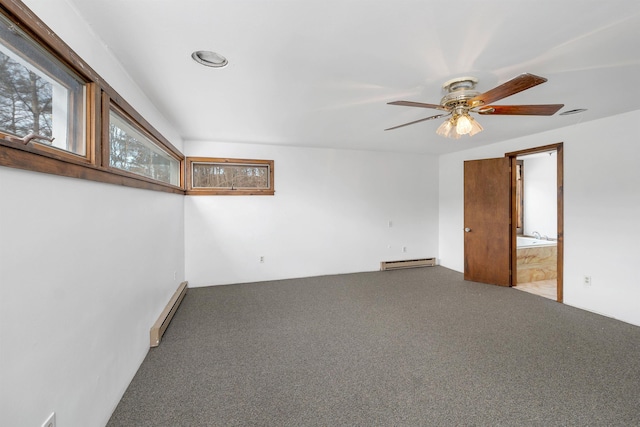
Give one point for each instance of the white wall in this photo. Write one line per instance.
(85, 269)
(601, 201)
(541, 194)
(329, 215)
(67, 24)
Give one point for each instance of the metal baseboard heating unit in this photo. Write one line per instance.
(407, 263)
(161, 325)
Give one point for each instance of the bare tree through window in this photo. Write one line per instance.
(25, 100)
(39, 95)
(230, 176)
(130, 150)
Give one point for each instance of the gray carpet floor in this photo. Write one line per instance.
(416, 347)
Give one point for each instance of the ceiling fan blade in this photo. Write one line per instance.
(521, 110)
(437, 116)
(417, 104)
(513, 86)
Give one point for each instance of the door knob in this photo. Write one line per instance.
(467, 230)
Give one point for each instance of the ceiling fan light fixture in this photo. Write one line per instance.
(463, 125)
(449, 128)
(461, 98)
(444, 128)
(475, 127)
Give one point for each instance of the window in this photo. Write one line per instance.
(132, 150)
(39, 96)
(211, 176)
(58, 116)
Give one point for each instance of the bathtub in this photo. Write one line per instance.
(532, 242)
(537, 259)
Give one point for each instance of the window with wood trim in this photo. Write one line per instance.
(58, 116)
(42, 101)
(132, 150)
(222, 176)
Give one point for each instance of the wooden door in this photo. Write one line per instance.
(487, 229)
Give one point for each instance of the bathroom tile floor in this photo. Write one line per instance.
(543, 288)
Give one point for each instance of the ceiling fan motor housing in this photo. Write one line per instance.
(458, 92)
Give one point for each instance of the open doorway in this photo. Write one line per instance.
(537, 226)
(490, 219)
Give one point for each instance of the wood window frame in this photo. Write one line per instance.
(200, 191)
(126, 111)
(99, 97)
(43, 60)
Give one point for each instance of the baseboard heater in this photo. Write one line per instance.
(161, 325)
(407, 263)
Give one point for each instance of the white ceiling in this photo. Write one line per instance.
(319, 73)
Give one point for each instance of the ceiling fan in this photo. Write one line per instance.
(462, 98)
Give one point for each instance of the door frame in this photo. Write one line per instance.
(558, 148)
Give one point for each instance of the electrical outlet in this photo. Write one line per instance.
(404, 249)
(262, 260)
(587, 280)
(51, 421)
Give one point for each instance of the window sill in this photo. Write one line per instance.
(230, 192)
(28, 159)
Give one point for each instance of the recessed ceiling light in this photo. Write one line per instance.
(575, 111)
(210, 59)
